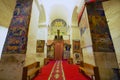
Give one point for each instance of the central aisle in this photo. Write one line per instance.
(60, 70)
(57, 72)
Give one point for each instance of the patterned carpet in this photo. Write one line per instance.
(60, 70)
(57, 72)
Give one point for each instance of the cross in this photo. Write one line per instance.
(58, 33)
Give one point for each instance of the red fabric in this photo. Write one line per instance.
(89, 1)
(58, 67)
(71, 72)
(46, 70)
(59, 47)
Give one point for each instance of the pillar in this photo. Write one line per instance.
(102, 44)
(14, 50)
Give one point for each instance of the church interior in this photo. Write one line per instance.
(59, 40)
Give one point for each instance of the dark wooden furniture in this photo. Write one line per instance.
(116, 73)
(46, 61)
(70, 60)
(90, 70)
(30, 71)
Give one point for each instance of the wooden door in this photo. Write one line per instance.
(59, 48)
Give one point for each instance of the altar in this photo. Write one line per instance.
(58, 49)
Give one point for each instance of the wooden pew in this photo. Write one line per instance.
(70, 60)
(46, 61)
(30, 71)
(90, 70)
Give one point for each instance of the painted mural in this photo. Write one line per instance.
(101, 38)
(40, 45)
(16, 41)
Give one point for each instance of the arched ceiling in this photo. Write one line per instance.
(42, 18)
(59, 9)
(49, 11)
(75, 17)
(58, 12)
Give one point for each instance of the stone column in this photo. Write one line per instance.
(103, 49)
(14, 50)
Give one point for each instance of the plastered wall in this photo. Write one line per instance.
(113, 18)
(75, 33)
(32, 35)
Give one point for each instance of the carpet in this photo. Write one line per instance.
(57, 72)
(60, 70)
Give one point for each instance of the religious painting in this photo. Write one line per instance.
(67, 47)
(66, 54)
(77, 58)
(76, 46)
(50, 52)
(101, 38)
(66, 50)
(40, 45)
(16, 40)
(84, 30)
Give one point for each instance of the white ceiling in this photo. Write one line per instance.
(60, 9)
(51, 10)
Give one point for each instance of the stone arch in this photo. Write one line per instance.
(75, 17)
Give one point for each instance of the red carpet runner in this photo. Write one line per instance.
(72, 72)
(57, 72)
(60, 70)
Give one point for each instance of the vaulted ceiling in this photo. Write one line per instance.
(51, 10)
(64, 9)
(60, 9)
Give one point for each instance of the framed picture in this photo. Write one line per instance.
(77, 58)
(40, 45)
(50, 52)
(76, 46)
(66, 54)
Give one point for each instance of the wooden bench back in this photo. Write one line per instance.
(46, 61)
(70, 60)
(34, 67)
(91, 70)
(86, 65)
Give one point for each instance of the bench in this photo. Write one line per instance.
(70, 60)
(90, 70)
(46, 61)
(30, 71)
